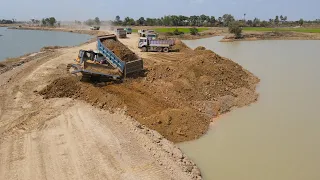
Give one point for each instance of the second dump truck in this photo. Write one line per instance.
(151, 45)
(121, 33)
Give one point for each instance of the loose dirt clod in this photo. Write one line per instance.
(200, 48)
(120, 50)
(178, 97)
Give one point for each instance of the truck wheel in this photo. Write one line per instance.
(166, 49)
(144, 49)
(159, 49)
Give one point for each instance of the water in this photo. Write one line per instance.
(15, 43)
(277, 138)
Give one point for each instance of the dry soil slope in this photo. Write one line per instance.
(68, 139)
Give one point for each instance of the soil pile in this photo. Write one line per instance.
(200, 48)
(180, 46)
(63, 87)
(178, 97)
(120, 50)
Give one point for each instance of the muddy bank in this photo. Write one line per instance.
(11, 63)
(39, 28)
(255, 36)
(178, 96)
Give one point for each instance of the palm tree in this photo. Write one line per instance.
(244, 17)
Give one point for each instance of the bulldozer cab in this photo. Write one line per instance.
(85, 56)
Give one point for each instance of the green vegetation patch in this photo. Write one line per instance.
(172, 29)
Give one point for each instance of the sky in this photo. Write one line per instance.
(70, 10)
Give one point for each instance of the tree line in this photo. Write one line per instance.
(206, 21)
(7, 21)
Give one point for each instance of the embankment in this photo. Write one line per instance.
(39, 28)
(178, 95)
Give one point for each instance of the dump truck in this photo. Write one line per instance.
(128, 30)
(103, 64)
(95, 28)
(121, 33)
(148, 44)
(144, 32)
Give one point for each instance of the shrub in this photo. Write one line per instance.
(235, 29)
(169, 34)
(177, 32)
(194, 31)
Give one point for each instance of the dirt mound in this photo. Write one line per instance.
(200, 48)
(62, 87)
(180, 46)
(120, 50)
(178, 97)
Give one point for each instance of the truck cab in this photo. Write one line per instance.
(128, 30)
(152, 36)
(121, 33)
(144, 33)
(95, 28)
(143, 42)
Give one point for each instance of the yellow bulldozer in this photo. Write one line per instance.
(92, 66)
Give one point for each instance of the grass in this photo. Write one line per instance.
(262, 29)
(171, 29)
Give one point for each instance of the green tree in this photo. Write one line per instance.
(118, 18)
(227, 19)
(97, 21)
(51, 21)
(204, 19)
(212, 20)
(90, 22)
(166, 20)
(128, 21)
(193, 20)
(234, 27)
(194, 31)
(271, 21)
(220, 20)
(141, 21)
(43, 22)
(283, 18)
(256, 22)
(264, 24)
(301, 22)
(276, 20)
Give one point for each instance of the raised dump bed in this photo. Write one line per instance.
(118, 55)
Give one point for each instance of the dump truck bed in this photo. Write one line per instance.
(118, 55)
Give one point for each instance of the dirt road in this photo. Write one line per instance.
(62, 138)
